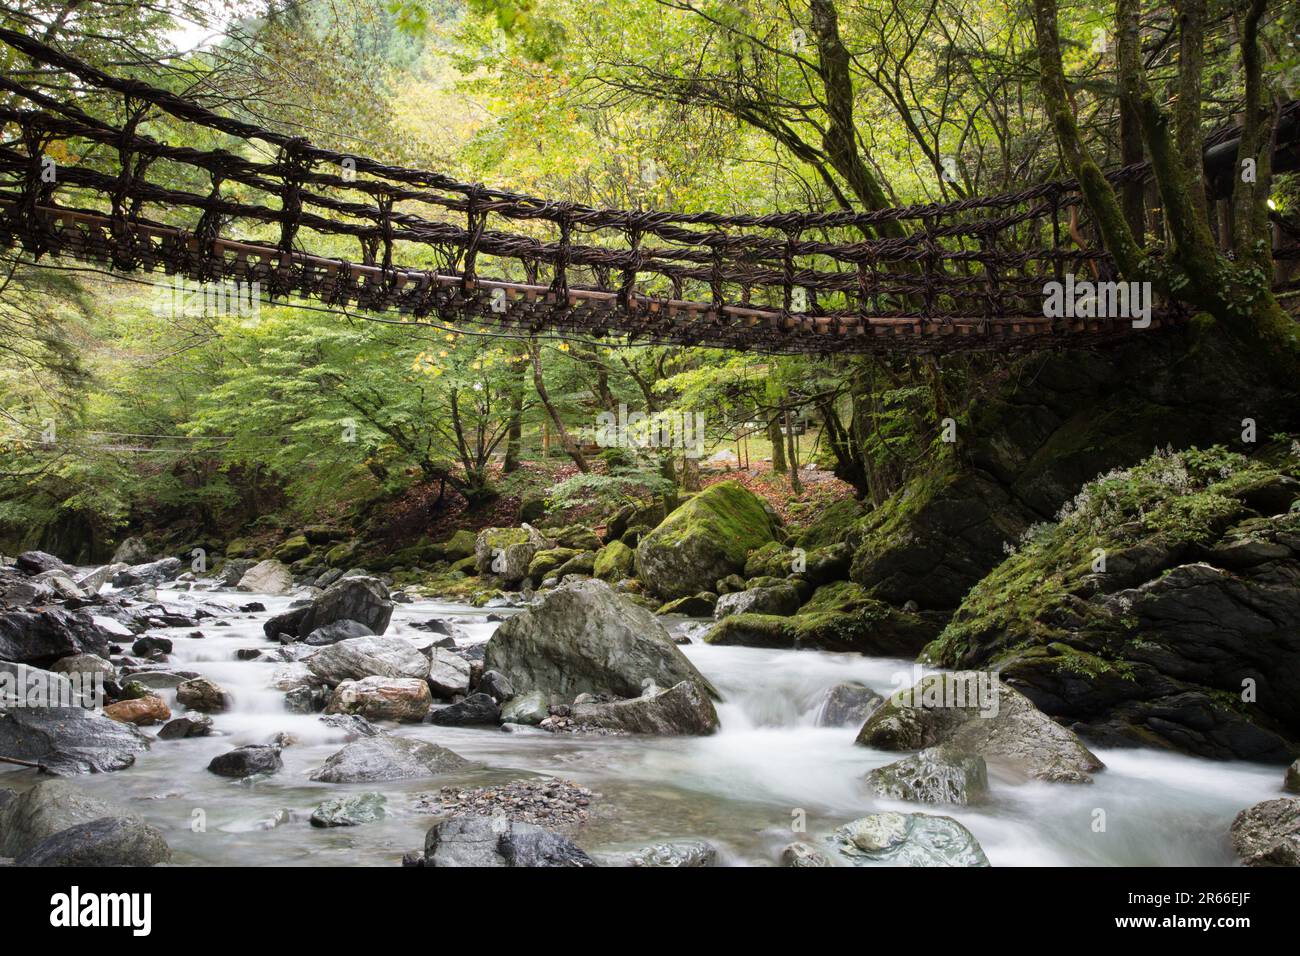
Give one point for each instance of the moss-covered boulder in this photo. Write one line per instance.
(576, 536)
(343, 555)
(614, 562)
(1163, 608)
(456, 548)
(707, 538)
(293, 549)
(832, 525)
(697, 605)
(584, 562)
(506, 553)
(840, 617)
(544, 562)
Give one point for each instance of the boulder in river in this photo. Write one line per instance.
(69, 740)
(695, 605)
(142, 711)
(473, 710)
(682, 710)
(57, 824)
(38, 562)
(374, 759)
(404, 699)
(935, 775)
(977, 713)
(531, 708)
(586, 638)
(267, 577)
(132, 551)
(203, 695)
(359, 657)
(43, 637)
(1268, 834)
(192, 725)
(780, 599)
(676, 854)
(804, 856)
(505, 553)
(497, 842)
(247, 761)
(707, 538)
(349, 811)
(847, 704)
(448, 673)
(336, 631)
(1291, 783)
(906, 839)
(153, 574)
(362, 599)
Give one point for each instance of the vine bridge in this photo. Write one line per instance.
(939, 277)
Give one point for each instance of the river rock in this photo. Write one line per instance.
(69, 740)
(506, 552)
(266, 577)
(781, 599)
(696, 605)
(804, 855)
(154, 574)
(906, 839)
(42, 637)
(935, 775)
(362, 599)
(203, 695)
(194, 725)
(132, 551)
(146, 646)
(1268, 834)
(29, 818)
(670, 853)
(683, 709)
(233, 571)
(93, 581)
(337, 631)
(353, 726)
(473, 710)
(529, 708)
(64, 588)
(586, 638)
(849, 703)
(349, 811)
(496, 685)
(360, 657)
(38, 562)
(1291, 783)
(87, 665)
(108, 841)
(497, 842)
(247, 761)
(707, 538)
(404, 699)
(1008, 731)
(375, 759)
(143, 711)
(448, 673)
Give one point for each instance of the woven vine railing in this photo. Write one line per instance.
(354, 233)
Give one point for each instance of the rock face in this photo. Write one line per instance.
(935, 775)
(705, 539)
(684, 709)
(374, 759)
(361, 599)
(1187, 637)
(847, 704)
(42, 637)
(497, 842)
(247, 761)
(906, 839)
(1268, 834)
(153, 574)
(69, 740)
(361, 657)
(404, 699)
(1004, 728)
(781, 599)
(267, 577)
(585, 638)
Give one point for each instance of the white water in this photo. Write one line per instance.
(740, 789)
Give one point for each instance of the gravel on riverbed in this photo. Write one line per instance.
(547, 803)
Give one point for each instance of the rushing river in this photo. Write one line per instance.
(741, 789)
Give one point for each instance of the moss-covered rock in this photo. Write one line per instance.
(544, 562)
(697, 605)
(506, 552)
(832, 525)
(576, 536)
(1163, 609)
(707, 538)
(459, 546)
(343, 555)
(584, 562)
(293, 549)
(614, 562)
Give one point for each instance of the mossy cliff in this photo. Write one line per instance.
(1163, 607)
